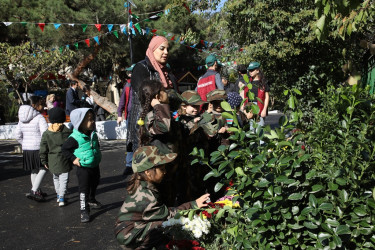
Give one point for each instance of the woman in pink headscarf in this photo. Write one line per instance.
(153, 67)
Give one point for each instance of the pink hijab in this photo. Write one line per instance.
(155, 42)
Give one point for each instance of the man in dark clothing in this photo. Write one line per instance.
(211, 80)
(72, 99)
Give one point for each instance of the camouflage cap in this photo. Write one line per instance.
(192, 97)
(216, 94)
(147, 157)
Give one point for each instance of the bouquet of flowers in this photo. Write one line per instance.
(197, 226)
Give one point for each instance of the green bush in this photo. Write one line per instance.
(314, 189)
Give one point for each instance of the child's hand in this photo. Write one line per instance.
(46, 166)
(197, 119)
(154, 102)
(201, 201)
(76, 162)
(222, 130)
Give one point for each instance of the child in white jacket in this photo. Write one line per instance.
(29, 132)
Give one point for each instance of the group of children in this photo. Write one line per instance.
(163, 177)
(57, 148)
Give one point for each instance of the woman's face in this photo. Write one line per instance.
(52, 98)
(163, 97)
(254, 73)
(161, 53)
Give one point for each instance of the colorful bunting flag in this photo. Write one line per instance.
(61, 49)
(153, 31)
(115, 33)
(109, 26)
(67, 46)
(84, 27)
(166, 12)
(126, 4)
(172, 39)
(133, 31)
(123, 28)
(24, 23)
(96, 38)
(71, 24)
(130, 11)
(138, 26)
(87, 41)
(222, 46)
(57, 25)
(41, 26)
(154, 17)
(98, 26)
(76, 45)
(147, 30)
(7, 23)
(135, 16)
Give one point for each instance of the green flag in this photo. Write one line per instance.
(115, 33)
(61, 49)
(76, 44)
(138, 26)
(84, 27)
(23, 23)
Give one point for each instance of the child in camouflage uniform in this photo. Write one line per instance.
(138, 225)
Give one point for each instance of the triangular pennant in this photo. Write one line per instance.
(135, 16)
(41, 26)
(109, 26)
(23, 23)
(123, 28)
(143, 32)
(160, 14)
(178, 39)
(205, 44)
(172, 39)
(71, 24)
(76, 45)
(67, 46)
(61, 49)
(126, 4)
(53, 49)
(222, 46)
(138, 26)
(87, 41)
(130, 11)
(154, 17)
(133, 31)
(98, 26)
(153, 31)
(166, 12)
(202, 42)
(84, 27)
(96, 38)
(7, 23)
(147, 30)
(57, 25)
(241, 49)
(115, 33)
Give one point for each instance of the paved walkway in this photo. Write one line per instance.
(27, 224)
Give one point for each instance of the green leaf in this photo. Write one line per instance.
(239, 171)
(316, 188)
(227, 115)
(342, 229)
(310, 225)
(218, 187)
(233, 231)
(321, 22)
(326, 207)
(297, 91)
(286, 92)
(295, 210)
(232, 129)
(331, 222)
(332, 186)
(341, 181)
(191, 214)
(322, 236)
(208, 175)
(291, 102)
(337, 240)
(292, 241)
(226, 106)
(344, 196)
(312, 200)
(194, 161)
(219, 214)
(295, 196)
(223, 165)
(360, 211)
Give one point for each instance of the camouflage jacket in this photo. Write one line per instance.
(188, 121)
(141, 213)
(162, 129)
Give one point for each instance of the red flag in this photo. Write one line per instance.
(186, 7)
(172, 38)
(202, 42)
(130, 11)
(41, 26)
(153, 31)
(241, 49)
(98, 26)
(222, 46)
(200, 50)
(46, 51)
(87, 41)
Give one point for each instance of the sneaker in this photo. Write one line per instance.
(58, 198)
(61, 202)
(36, 196)
(85, 216)
(41, 192)
(95, 204)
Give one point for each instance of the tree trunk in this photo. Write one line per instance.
(100, 100)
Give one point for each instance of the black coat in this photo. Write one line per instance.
(72, 101)
(142, 70)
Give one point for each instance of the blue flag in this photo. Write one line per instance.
(110, 26)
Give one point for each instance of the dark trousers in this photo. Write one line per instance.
(88, 181)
